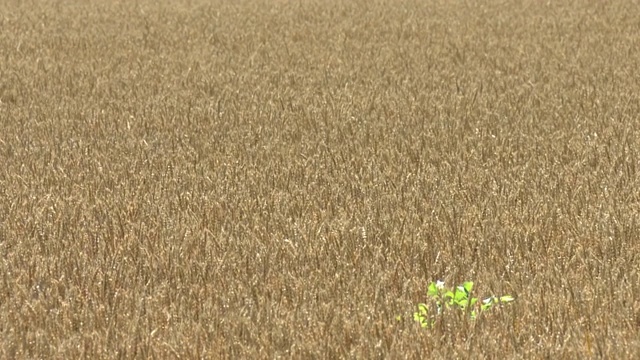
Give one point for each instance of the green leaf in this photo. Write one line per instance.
(487, 303)
(398, 317)
(468, 286)
(449, 296)
(473, 301)
(507, 298)
(423, 309)
(421, 318)
(462, 303)
(432, 292)
(417, 317)
(460, 294)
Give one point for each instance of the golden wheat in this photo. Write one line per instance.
(262, 179)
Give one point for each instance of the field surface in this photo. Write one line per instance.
(282, 179)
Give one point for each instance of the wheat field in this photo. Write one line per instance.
(281, 179)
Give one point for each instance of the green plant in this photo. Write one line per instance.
(458, 298)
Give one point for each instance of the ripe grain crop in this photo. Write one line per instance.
(273, 178)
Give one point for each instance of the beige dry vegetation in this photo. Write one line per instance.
(259, 179)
